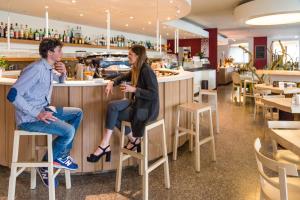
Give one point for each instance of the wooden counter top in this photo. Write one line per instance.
(278, 72)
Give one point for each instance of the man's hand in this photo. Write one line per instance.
(60, 67)
(46, 117)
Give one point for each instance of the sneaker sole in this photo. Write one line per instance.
(62, 167)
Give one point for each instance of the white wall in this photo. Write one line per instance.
(38, 22)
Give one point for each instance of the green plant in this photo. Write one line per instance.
(3, 63)
(200, 54)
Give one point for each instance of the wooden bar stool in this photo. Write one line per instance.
(214, 106)
(144, 169)
(33, 165)
(195, 109)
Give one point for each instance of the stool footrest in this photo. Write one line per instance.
(185, 130)
(20, 171)
(205, 140)
(156, 164)
(36, 164)
(125, 157)
(132, 153)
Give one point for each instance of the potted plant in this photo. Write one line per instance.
(200, 54)
(3, 65)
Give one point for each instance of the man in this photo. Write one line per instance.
(31, 95)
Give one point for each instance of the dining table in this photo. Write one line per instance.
(287, 138)
(278, 90)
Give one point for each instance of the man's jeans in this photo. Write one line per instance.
(64, 127)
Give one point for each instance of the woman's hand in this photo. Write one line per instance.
(128, 88)
(109, 88)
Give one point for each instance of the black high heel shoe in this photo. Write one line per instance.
(135, 145)
(94, 158)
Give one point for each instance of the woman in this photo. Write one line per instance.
(143, 107)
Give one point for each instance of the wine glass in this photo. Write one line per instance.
(124, 83)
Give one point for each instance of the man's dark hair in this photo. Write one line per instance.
(48, 44)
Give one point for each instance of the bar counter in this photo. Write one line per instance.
(90, 97)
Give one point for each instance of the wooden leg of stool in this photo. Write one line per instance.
(211, 130)
(33, 169)
(13, 170)
(120, 165)
(217, 115)
(165, 154)
(197, 145)
(68, 179)
(145, 167)
(141, 164)
(51, 182)
(191, 142)
(176, 136)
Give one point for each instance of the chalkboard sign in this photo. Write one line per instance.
(260, 52)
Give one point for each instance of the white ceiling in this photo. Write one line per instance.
(219, 14)
(144, 12)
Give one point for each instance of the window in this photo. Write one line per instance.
(238, 54)
(292, 49)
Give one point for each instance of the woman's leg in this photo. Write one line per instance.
(113, 110)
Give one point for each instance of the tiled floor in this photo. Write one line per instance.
(232, 177)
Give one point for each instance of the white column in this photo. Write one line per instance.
(108, 30)
(47, 22)
(160, 44)
(177, 37)
(157, 34)
(175, 41)
(8, 31)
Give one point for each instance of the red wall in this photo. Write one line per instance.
(213, 47)
(260, 63)
(195, 44)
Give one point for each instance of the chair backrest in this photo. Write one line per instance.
(236, 78)
(283, 170)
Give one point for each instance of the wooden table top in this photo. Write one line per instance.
(291, 90)
(284, 104)
(290, 139)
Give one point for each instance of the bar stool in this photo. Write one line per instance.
(33, 165)
(144, 169)
(195, 109)
(214, 94)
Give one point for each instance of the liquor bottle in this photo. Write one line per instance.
(30, 34)
(16, 31)
(12, 31)
(21, 32)
(36, 35)
(5, 31)
(64, 37)
(56, 35)
(52, 33)
(42, 34)
(26, 32)
(1, 30)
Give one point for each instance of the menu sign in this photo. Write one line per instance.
(260, 52)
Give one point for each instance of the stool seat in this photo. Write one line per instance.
(144, 169)
(194, 107)
(33, 164)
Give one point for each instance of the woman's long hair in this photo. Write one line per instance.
(140, 51)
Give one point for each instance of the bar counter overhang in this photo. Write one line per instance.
(90, 97)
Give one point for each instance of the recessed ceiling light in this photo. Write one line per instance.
(73, 1)
(168, 18)
(178, 11)
(167, 33)
(149, 22)
(171, 1)
(143, 28)
(287, 18)
(126, 25)
(131, 17)
(46, 7)
(80, 14)
(296, 36)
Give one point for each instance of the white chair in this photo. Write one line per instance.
(194, 109)
(144, 169)
(214, 105)
(236, 84)
(279, 187)
(33, 165)
(286, 156)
